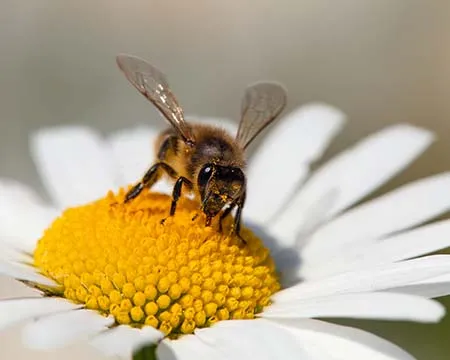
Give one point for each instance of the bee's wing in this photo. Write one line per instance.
(153, 85)
(261, 104)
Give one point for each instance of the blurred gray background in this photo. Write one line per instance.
(380, 61)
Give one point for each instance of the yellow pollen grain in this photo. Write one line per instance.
(119, 260)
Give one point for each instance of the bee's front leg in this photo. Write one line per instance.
(151, 176)
(176, 193)
(237, 219)
(239, 203)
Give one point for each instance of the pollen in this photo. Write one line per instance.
(121, 260)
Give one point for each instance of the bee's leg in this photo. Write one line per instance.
(176, 193)
(225, 213)
(151, 176)
(237, 219)
(169, 143)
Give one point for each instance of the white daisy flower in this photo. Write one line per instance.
(114, 276)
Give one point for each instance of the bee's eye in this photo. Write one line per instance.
(204, 175)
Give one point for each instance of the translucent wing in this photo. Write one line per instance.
(153, 85)
(261, 104)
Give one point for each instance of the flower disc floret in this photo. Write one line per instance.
(119, 260)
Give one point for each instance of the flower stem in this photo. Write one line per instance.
(145, 353)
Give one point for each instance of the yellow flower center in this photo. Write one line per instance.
(120, 260)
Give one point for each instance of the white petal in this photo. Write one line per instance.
(430, 288)
(134, 152)
(75, 164)
(165, 186)
(58, 330)
(377, 305)
(123, 340)
(242, 339)
(24, 272)
(379, 278)
(23, 215)
(416, 242)
(354, 173)
(282, 162)
(390, 213)
(15, 310)
(9, 252)
(187, 347)
(341, 342)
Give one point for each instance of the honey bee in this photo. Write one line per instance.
(203, 158)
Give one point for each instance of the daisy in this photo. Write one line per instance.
(114, 276)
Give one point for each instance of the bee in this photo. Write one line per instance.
(204, 159)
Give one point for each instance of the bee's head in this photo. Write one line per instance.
(218, 186)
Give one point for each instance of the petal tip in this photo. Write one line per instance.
(49, 132)
(427, 136)
(324, 110)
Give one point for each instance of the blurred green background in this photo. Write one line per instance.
(381, 62)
